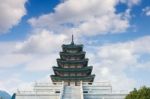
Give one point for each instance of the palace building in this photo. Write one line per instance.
(72, 79)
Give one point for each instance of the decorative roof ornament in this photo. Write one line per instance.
(72, 42)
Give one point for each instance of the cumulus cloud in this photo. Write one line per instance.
(43, 46)
(130, 3)
(111, 60)
(42, 41)
(10, 59)
(147, 11)
(42, 63)
(11, 13)
(84, 17)
(36, 50)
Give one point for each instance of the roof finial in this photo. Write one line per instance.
(72, 42)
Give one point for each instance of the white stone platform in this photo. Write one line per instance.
(86, 90)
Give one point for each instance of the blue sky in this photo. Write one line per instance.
(115, 34)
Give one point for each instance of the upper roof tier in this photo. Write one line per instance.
(77, 47)
(72, 46)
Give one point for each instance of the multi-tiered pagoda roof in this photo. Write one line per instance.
(72, 65)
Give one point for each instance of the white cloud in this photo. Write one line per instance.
(42, 41)
(11, 13)
(44, 46)
(38, 52)
(117, 79)
(35, 53)
(42, 63)
(84, 17)
(111, 60)
(10, 59)
(147, 11)
(130, 3)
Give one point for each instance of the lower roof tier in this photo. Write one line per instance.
(60, 61)
(72, 54)
(65, 54)
(74, 57)
(84, 69)
(72, 47)
(73, 78)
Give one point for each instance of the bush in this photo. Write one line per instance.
(142, 93)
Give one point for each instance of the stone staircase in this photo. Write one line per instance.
(71, 92)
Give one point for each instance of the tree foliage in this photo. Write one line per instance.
(142, 93)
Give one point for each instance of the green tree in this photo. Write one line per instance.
(142, 93)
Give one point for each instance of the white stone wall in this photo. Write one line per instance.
(100, 90)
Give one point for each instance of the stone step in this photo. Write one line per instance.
(72, 92)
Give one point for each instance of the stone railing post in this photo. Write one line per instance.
(81, 90)
(62, 90)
